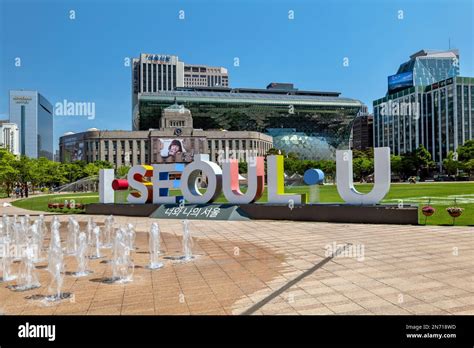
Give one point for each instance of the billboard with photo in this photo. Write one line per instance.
(170, 150)
(399, 81)
(74, 151)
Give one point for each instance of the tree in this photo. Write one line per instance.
(329, 169)
(243, 167)
(91, 169)
(57, 174)
(25, 167)
(422, 162)
(8, 171)
(74, 171)
(103, 165)
(466, 151)
(275, 151)
(396, 165)
(362, 167)
(40, 173)
(367, 153)
(122, 171)
(293, 156)
(43, 172)
(408, 166)
(450, 164)
(469, 166)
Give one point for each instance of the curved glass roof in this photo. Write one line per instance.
(252, 98)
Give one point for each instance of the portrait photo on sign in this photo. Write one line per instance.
(171, 147)
(172, 150)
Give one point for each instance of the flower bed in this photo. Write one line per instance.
(65, 207)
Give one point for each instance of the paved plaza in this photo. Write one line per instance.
(272, 267)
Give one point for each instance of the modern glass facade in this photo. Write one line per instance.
(429, 66)
(439, 116)
(311, 124)
(34, 116)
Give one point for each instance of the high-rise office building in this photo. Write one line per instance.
(33, 115)
(424, 68)
(155, 73)
(362, 132)
(438, 115)
(10, 137)
(205, 76)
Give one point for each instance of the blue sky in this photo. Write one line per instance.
(82, 60)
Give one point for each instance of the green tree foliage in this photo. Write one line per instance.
(41, 172)
(8, 171)
(362, 167)
(469, 166)
(92, 169)
(396, 165)
(274, 151)
(466, 151)
(416, 163)
(122, 171)
(450, 164)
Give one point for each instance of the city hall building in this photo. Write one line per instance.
(310, 123)
(176, 140)
(427, 103)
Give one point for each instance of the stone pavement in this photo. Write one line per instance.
(241, 265)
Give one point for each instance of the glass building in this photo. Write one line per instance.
(424, 68)
(33, 115)
(310, 123)
(429, 66)
(439, 116)
(427, 103)
(163, 72)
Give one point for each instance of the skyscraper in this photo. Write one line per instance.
(431, 106)
(154, 73)
(424, 68)
(34, 116)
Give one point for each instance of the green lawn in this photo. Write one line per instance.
(442, 196)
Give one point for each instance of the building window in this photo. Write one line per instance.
(160, 74)
(169, 77)
(149, 77)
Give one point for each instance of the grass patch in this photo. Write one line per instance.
(442, 195)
